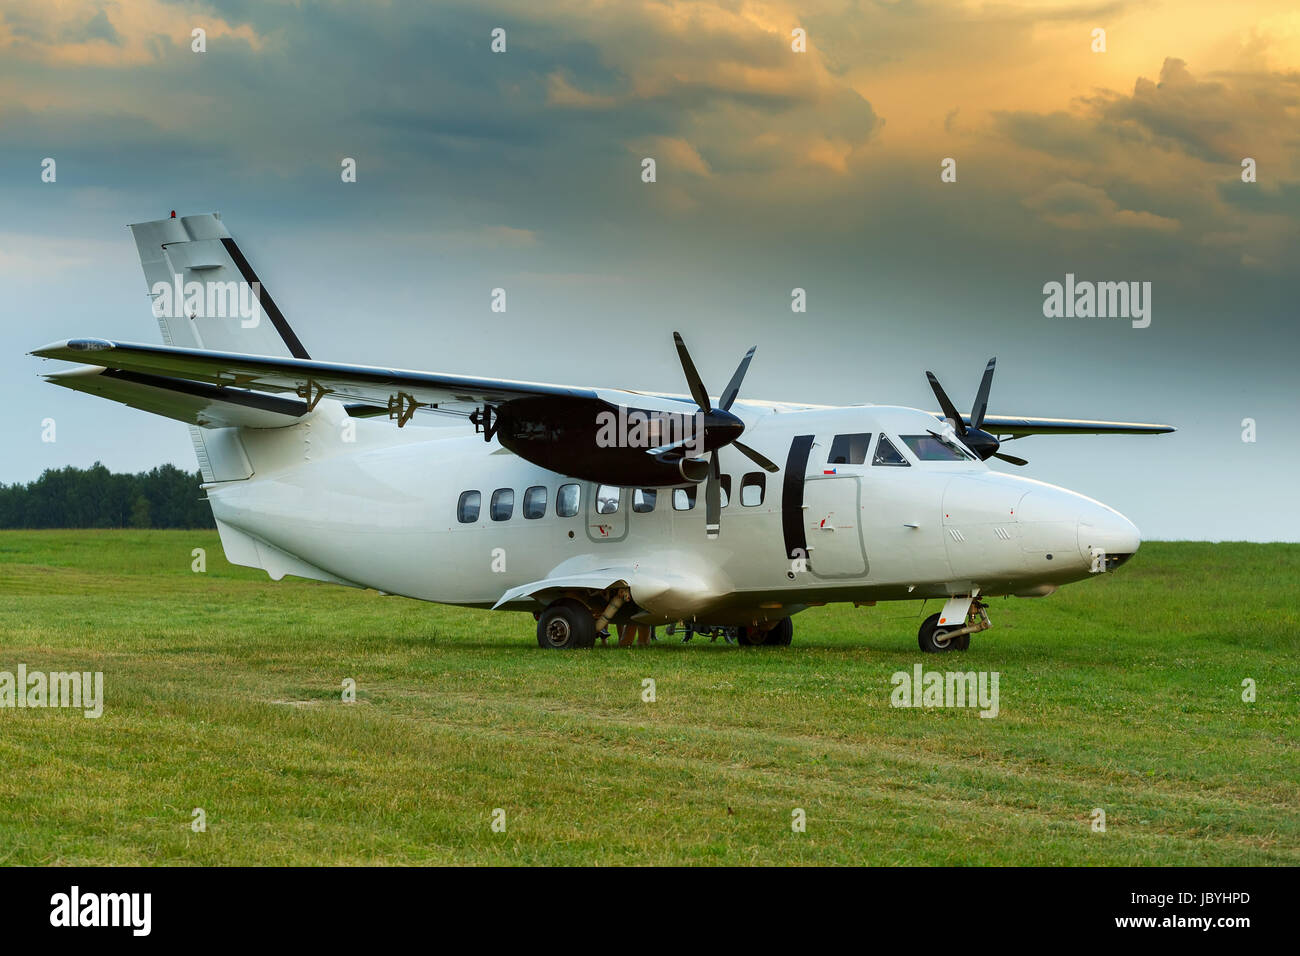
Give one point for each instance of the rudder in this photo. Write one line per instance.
(205, 294)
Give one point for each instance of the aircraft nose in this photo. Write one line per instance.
(1103, 529)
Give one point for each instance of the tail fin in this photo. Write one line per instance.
(205, 294)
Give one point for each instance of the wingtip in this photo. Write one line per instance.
(46, 350)
(55, 349)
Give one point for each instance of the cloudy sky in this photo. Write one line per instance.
(775, 169)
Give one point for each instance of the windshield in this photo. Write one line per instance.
(936, 448)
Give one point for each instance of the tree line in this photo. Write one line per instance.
(94, 497)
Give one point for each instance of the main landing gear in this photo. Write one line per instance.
(566, 623)
(773, 635)
(936, 640)
(570, 623)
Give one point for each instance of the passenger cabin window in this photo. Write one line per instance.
(850, 449)
(684, 498)
(935, 448)
(643, 500)
(568, 500)
(607, 499)
(725, 498)
(535, 502)
(468, 507)
(887, 454)
(503, 504)
(752, 487)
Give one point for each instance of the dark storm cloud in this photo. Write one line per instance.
(1061, 134)
(1284, 200)
(99, 28)
(1217, 119)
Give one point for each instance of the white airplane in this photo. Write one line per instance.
(582, 505)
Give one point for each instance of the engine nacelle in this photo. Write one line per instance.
(606, 443)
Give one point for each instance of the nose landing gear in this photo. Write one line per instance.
(935, 639)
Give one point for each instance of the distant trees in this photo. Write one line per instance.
(94, 497)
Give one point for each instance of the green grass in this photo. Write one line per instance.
(223, 692)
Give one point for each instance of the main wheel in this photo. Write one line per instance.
(935, 640)
(781, 634)
(778, 634)
(564, 624)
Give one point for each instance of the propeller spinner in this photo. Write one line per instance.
(974, 437)
(721, 428)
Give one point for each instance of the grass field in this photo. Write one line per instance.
(223, 691)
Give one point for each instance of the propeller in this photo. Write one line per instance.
(721, 428)
(974, 437)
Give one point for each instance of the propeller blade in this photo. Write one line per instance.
(733, 387)
(698, 391)
(713, 498)
(949, 409)
(753, 456)
(1011, 458)
(982, 396)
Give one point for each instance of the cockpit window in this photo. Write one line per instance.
(936, 448)
(849, 449)
(887, 454)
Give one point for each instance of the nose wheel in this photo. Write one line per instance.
(934, 639)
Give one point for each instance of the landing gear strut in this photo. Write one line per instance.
(936, 640)
(690, 629)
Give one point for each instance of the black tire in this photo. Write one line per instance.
(933, 639)
(566, 624)
(782, 634)
(779, 635)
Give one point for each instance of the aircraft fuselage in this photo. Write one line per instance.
(392, 517)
